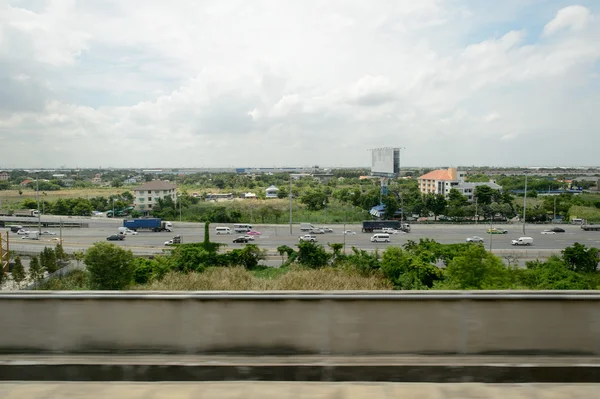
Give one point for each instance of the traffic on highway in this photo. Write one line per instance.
(155, 239)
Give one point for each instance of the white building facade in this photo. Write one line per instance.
(147, 195)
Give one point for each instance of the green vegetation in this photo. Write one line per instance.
(414, 266)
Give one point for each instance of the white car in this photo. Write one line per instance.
(130, 232)
(474, 239)
(548, 232)
(23, 232)
(249, 237)
(349, 232)
(48, 233)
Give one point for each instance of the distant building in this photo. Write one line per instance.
(249, 195)
(131, 180)
(271, 192)
(147, 195)
(25, 182)
(4, 176)
(97, 179)
(441, 181)
(219, 196)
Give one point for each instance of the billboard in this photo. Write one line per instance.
(385, 162)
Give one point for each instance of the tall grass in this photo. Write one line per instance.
(239, 279)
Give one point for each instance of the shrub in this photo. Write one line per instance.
(312, 255)
(110, 267)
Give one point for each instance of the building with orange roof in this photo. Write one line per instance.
(440, 181)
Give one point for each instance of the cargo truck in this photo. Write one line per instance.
(590, 227)
(370, 226)
(153, 224)
(26, 213)
(306, 227)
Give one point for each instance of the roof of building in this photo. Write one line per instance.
(271, 188)
(438, 174)
(156, 185)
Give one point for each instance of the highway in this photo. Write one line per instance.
(272, 236)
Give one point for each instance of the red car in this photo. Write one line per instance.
(253, 233)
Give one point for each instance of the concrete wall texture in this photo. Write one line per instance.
(339, 323)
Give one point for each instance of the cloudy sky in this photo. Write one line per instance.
(185, 83)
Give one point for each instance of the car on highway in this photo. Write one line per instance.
(548, 232)
(250, 238)
(253, 233)
(308, 238)
(128, 232)
(349, 232)
(327, 230)
(22, 232)
(115, 237)
(389, 230)
(497, 231)
(241, 239)
(474, 239)
(558, 229)
(48, 233)
(317, 231)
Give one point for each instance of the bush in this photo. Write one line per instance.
(476, 269)
(312, 255)
(408, 272)
(110, 267)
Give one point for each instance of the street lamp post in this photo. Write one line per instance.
(37, 196)
(525, 204)
(290, 204)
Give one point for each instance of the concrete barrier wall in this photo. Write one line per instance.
(302, 323)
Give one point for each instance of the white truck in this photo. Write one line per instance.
(308, 238)
(522, 241)
(306, 227)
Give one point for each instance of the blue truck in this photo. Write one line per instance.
(153, 224)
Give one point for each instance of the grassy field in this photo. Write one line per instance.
(12, 197)
(239, 279)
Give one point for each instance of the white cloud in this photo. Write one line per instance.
(267, 83)
(575, 18)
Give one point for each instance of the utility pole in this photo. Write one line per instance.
(290, 204)
(554, 215)
(37, 196)
(525, 204)
(476, 214)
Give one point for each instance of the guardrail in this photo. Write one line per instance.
(369, 323)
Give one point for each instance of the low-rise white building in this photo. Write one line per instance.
(441, 181)
(271, 192)
(147, 195)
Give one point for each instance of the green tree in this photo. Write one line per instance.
(314, 200)
(110, 267)
(554, 274)
(36, 272)
(48, 260)
(312, 255)
(62, 258)
(581, 259)
(18, 272)
(477, 269)
(407, 271)
(391, 206)
(284, 249)
(484, 194)
(436, 204)
(117, 182)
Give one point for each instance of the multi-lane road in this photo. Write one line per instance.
(273, 236)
